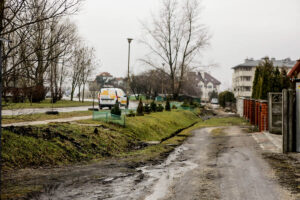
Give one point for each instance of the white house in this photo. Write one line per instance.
(205, 84)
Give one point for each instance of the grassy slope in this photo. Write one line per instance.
(46, 104)
(42, 116)
(63, 143)
(152, 152)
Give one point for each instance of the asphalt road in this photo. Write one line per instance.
(208, 165)
(27, 111)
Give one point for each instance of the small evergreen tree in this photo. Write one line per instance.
(147, 108)
(153, 106)
(255, 83)
(285, 80)
(140, 109)
(116, 109)
(276, 85)
(160, 108)
(168, 107)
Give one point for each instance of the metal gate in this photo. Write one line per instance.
(275, 112)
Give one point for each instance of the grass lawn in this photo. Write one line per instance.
(8, 119)
(45, 104)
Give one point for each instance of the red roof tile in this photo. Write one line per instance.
(294, 70)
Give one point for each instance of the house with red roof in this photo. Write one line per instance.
(294, 73)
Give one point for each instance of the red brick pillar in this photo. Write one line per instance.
(249, 110)
(256, 112)
(263, 123)
(252, 111)
(244, 108)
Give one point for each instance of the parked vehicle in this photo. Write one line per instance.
(214, 101)
(108, 97)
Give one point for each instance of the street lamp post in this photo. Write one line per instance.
(128, 76)
(1, 41)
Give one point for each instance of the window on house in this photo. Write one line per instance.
(247, 89)
(245, 78)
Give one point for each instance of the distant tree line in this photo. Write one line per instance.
(269, 79)
(154, 82)
(46, 51)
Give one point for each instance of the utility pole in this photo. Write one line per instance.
(1, 89)
(128, 75)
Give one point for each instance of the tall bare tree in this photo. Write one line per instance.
(175, 37)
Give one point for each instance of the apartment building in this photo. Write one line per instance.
(243, 74)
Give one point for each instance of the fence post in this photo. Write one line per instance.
(106, 116)
(285, 120)
(124, 120)
(270, 111)
(292, 122)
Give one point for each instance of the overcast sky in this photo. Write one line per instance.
(239, 29)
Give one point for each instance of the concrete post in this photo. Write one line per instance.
(285, 138)
(291, 122)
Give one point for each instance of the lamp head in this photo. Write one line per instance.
(129, 40)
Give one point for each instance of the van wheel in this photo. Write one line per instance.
(109, 107)
(100, 107)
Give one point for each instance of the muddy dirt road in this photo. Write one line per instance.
(213, 163)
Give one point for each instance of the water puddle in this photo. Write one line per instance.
(150, 182)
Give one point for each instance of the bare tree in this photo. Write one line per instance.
(35, 48)
(175, 37)
(89, 67)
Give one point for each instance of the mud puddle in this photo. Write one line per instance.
(150, 182)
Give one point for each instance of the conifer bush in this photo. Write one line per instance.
(147, 108)
(160, 108)
(116, 109)
(153, 106)
(168, 107)
(131, 114)
(140, 109)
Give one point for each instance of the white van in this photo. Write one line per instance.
(109, 96)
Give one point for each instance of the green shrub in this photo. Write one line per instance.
(131, 114)
(174, 107)
(226, 97)
(140, 109)
(168, 107)
(160, 108)
(185, 104)
(116, 109)
(193, 106)
(153, 106)
(147, 108)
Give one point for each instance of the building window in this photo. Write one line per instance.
(209, 87)
(247, 89)
(245, 78)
